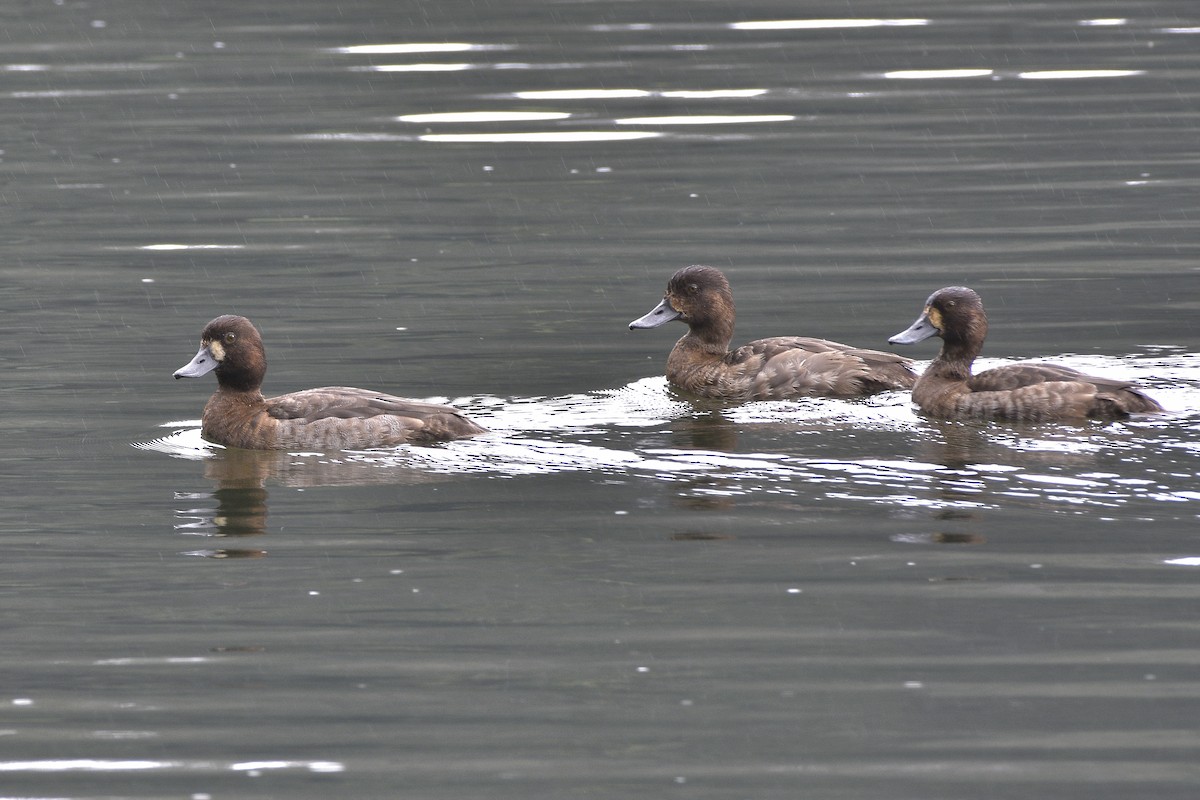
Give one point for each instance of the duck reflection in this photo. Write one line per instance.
(707, 431)
(961, 445)
(970, 451)
(240, 479)
(956, 445)
(949, 527)
(240, 494)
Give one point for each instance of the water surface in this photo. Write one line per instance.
(616, 592)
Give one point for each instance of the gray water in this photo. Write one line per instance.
(615, 593)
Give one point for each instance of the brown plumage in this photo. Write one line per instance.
(778, 368)
(1022, 392)
(329, 418)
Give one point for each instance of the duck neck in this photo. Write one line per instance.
(954, 361)
(245, 393)
(245, 381)
(712, 339)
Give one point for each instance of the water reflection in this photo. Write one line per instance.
(957, 445)
(417, 47)
(240, 495)
(825, 24)
(139, 765)
(485, 116)
(1034, 75)
(238, 506)
(706, 431)
(540, 137)
(706, 119)
(422, 67)
(937, 74)
(1076, 74)
(943, 537)
(241, 511)
(581, 94)
(617, 94)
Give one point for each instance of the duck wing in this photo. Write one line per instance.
(1109, 397)
(342, 417)
(1014, 376)
(345, 402)
(797, 366)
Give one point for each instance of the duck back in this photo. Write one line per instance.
(785, 367)
(1050, 391)
(1044, 401)
(330, 418)
(345, 417)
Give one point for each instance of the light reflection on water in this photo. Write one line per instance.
(706, 119)
(561, 122)
(485, 116)
(544, 137)
(430, 47)
(102, 765)
(825, 24)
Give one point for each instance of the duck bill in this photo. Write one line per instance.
(919, 331)
(661, 314)
(202, 364)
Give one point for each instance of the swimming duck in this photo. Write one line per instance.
(778, 368)
(329, 418)
(1021, 392)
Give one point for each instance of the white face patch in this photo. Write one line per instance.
(217, 350)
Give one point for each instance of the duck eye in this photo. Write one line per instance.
(229, 337)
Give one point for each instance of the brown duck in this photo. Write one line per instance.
(1021, 392)
(329, 418)
(778, 368)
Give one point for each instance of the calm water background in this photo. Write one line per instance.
(616, 593)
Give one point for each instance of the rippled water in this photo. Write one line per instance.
(629, 432)
(615, 592)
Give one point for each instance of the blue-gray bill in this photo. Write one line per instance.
(661, 314)
(919, 331)
(202, 364)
